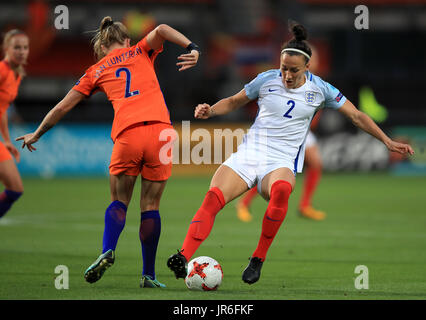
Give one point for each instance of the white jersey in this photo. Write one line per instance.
(285, 115)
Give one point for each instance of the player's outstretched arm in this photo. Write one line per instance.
(364, 122)
(162, 33)
(53, 116)
(224, 106)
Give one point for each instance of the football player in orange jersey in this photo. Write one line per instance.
(16, 49)
(126, 75)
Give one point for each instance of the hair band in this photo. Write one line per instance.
(296, 50)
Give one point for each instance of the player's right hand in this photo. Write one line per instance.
(399, 147)
(29, 140)
(202, 111)
(188, 60)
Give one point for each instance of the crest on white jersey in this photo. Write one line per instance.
(310, 96)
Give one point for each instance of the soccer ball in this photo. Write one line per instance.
(204, 274)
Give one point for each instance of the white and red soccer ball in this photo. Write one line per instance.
(204, 274)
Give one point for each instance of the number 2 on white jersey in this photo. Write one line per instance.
(291, 103)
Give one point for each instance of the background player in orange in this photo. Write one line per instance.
(126, 74)
(16, 50)
(312, 175)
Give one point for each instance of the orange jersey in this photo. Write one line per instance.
(128, 78)
(9, 84)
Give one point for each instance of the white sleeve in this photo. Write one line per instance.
(333, 97)
(252, 88)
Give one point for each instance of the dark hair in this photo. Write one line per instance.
(109, 32)
(299, 40)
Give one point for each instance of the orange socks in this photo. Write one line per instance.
(203, 221)
(312, 177)
(274, 216)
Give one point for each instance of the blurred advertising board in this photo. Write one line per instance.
(71, 150)
(85, 150)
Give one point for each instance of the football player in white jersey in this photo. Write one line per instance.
(312, 171)
(272, 151)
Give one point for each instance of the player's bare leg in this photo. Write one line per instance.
(122, 188)
(275, 187)
(225, 186)
(229, 182)
(14, 188)
(151, 192)
(313, 170)
(9, 176)
(150, 230)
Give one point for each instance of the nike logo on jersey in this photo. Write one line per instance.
(270, 90)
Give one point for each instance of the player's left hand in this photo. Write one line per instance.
(12, 149)
(188, 60)
(29, 139)
(399, 147)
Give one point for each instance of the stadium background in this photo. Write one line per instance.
(381, 69)
(240, 39)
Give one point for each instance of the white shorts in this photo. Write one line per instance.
(252, 166)
(311, 140)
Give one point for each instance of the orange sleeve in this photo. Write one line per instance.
(3, 72)
(85, 84)
(152, 54)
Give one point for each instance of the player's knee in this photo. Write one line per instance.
(280, 192)
(218, 194)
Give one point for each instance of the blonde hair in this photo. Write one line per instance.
(109, 32)
(6, 42)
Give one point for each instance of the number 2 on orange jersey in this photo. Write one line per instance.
(127, 93)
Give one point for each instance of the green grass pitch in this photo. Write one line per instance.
(376, 220)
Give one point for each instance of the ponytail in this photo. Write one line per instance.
(298, 45)
(108, 33)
